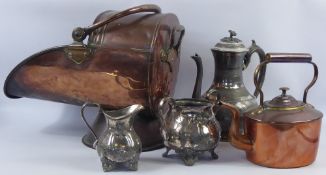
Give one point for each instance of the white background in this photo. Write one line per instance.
(41, 137)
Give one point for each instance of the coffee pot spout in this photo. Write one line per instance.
(199, 77)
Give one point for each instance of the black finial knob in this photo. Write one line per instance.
(284, 89)
(232, 33)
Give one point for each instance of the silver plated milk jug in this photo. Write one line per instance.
(119, 144)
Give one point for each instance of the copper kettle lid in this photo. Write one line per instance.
(230, 44)
(285, 109)
(284, 101)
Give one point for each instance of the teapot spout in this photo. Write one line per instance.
(199, 77)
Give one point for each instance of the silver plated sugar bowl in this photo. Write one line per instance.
(188, 125)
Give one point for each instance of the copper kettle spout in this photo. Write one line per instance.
(199, 77)
(236, 138)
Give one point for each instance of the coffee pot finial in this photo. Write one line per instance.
(232, 33)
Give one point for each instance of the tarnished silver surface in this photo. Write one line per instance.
(189, 127)
(231, 58)
(119, 143)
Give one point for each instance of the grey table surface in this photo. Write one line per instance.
(45, 138)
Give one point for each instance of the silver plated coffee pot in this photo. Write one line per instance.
(231, 58)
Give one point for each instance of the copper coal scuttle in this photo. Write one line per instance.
(131, 57)
(128, 69)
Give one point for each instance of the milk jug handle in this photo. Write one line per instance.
(82, 111)
(79, 33)
(254, 48)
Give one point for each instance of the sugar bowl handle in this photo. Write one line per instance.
(166, 100)
(285, 58)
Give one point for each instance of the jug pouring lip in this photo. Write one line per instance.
(122, 113)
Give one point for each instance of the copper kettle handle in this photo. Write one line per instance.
(286, 58)
(79, 33)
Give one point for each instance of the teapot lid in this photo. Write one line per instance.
(230, 44)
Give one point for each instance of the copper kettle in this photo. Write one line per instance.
(283, 132)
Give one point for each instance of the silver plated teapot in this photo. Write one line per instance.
(119, 143)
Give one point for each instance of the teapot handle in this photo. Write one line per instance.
(79, 33)
(285, 58)
(254, 48)
(86, 104)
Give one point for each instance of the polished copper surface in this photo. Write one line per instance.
(280, 145)
(131, 57)
(52, 77)
(284, 132)
(125, 68)
(283, 145)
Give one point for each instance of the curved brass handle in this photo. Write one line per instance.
(79, 33)
(286, 58)
(84, 118)
(254, 48)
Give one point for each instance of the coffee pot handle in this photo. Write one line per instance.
(285, 58)
(254, 48)
(79, 33)
(82, 111)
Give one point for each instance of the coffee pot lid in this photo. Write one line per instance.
(230, 44)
